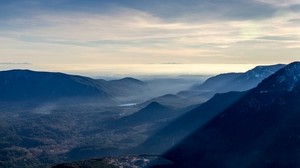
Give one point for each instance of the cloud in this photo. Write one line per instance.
(281, 3)
(14, 63)
(127, 31)
(133, 35)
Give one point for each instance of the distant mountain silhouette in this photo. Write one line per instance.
(168, 100)
(216, 82)
(128, 81)
(259, 130)
(127, 90)
(26, 85)
(231, 82)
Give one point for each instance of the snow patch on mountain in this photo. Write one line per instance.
(290, 77)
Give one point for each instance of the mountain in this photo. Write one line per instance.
(232, 81)
(260, 130)
(127, 90)
(252, 78)
(154, 112)
(128, 81)
(170, 100)
(26, 85)
(217, 82)
(186, 124)
(117, 136)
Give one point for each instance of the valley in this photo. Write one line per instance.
(149, 84)
(72, 126)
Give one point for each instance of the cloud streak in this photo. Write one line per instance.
(281, 3)
(14, 63)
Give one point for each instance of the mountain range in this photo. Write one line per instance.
(250, 115)
(261, 129)
(187, 123)
(27, 85)
(232, 81)
(238, 81)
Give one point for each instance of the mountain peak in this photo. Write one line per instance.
(261, 72)
(155, 105)
(286, 79)
(262, 125)
(267, 67)
(129, 79)
(293, 69)
(238, 81)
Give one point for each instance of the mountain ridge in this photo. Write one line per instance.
(187, 123)
(262, 126)
(28, 85)
(238, 81)
(34, 85)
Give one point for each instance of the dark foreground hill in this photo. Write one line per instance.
(260, 130)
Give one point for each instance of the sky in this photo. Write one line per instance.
(106, 37)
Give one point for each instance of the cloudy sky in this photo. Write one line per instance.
(148, 36)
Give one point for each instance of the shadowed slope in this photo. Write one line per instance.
(173, 133)
(260, 130)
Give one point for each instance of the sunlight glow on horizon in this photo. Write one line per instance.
(94, 70)
(124, 37)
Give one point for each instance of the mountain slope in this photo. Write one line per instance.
(149, 114)
(168, 100)
(260, 130)
(228, 82)
(26, 85)
(186, 124)
(252, 78)
(127, 90)
(237, 81)
(216, 82)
